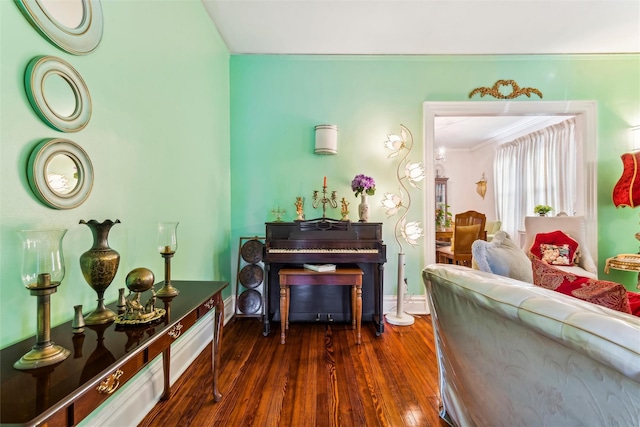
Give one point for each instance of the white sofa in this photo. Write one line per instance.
(514, 354)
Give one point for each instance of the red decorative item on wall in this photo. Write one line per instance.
(627, 191)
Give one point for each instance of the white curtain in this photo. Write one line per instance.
(536, 169)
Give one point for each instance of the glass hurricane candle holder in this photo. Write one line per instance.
(167, 246)
(42, 272)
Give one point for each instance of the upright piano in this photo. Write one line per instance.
(322, 241)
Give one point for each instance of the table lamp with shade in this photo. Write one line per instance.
(626, 192)
(42, 272)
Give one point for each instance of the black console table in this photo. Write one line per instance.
(102, 359)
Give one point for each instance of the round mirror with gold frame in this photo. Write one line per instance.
(57, 93)
(60, 173)
(74, 26)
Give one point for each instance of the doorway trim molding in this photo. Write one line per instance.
(585, 113)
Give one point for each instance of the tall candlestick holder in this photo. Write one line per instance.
(42, 271)
(167, 246)
(331, 201)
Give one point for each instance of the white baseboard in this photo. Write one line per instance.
(413, 304)
(129, 405)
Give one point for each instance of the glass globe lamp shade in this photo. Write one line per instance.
(42, 253)
(167, 237)
(42, 271)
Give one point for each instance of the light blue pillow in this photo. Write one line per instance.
(503, 257)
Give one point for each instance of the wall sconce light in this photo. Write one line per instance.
(326, 139)
(440, 155)
(635, 138)
(481, 186)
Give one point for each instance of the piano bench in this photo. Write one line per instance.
(301, 276)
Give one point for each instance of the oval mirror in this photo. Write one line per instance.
(74, 26)
(60, 173)
(57, 93)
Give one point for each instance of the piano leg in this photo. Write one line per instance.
(266, 298)
(284, 312)
(379, 296)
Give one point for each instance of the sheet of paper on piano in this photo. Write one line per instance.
(320, 267)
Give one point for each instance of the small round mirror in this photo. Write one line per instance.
(74, 26)
(68, 13)
(62, 174)
(59, 95)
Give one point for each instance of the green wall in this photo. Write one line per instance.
(277, 101)
(182, 131)
(158, 140)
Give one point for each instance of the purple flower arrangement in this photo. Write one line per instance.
(363, 184)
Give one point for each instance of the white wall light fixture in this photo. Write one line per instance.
(635, 138)
(326, 139)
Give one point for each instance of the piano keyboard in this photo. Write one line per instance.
(322, 250)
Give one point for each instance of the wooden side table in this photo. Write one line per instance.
(444, 235)
(300, 276)
(625, 262)
(103, 358)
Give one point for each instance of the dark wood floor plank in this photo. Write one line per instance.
(319, 378)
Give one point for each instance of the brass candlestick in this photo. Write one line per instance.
(167, 290)
(44, 352)
(167, 245)
(42, 271)
(331, 201)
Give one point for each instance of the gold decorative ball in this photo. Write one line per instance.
(140, 279)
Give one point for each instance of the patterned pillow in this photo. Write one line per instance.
(607, 294)
(555, 248)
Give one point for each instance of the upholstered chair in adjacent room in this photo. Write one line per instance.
(572, 226)
(468, 227)
(492, 227)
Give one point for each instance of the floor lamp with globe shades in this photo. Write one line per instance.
(394, 203)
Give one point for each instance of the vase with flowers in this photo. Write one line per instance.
(443, 217)
(363, 186)
(542, 210)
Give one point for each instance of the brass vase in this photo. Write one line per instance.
(99, 266)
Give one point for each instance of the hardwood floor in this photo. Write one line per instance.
(320, 377)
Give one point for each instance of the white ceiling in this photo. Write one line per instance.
(430, 27)
(471, 133)
(427, 27)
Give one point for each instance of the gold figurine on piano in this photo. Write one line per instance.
(300, 208)
(344, 210)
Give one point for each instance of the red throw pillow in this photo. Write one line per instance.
(607, 294)
(555, 248)
(634, 303)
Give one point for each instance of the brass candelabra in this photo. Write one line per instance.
(332, 200)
